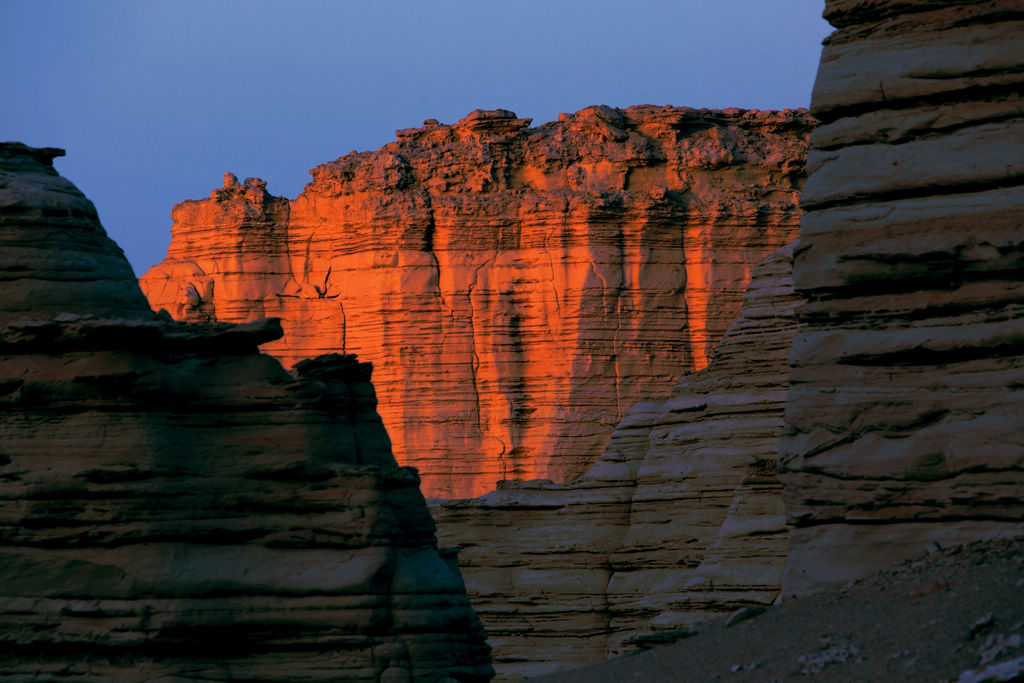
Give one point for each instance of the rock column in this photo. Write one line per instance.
(904, 415)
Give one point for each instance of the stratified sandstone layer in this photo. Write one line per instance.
(516, 288)
(908, 381)
(175, 505)
(680, 520)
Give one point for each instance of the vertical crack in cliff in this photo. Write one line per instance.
(428, 245)
(616, 337)
(305, 261)
(447, 310)
(344, 326)
(554, 282)
(607, 310)
(428, 231)
(501, 458)
(474, 367)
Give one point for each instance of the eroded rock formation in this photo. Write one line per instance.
(55, 256)
(679, 521)
(908, 380)
(516, 288)
(175, 505)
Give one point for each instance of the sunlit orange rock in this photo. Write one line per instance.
(679, 521)
(517, 289)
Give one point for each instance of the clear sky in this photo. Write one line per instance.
(155, 100)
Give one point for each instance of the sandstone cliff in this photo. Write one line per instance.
(904, 414)
(516, 288)
(175, 505)
(680, 520)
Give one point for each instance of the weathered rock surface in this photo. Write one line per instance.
(904, 414)
(54, 255)
(516, 288)
(679, 521)
(175, 505)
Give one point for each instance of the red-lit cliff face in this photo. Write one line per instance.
(516, 288)
(679, 521)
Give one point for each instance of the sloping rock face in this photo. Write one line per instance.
(904, 415)
(54, 255)
(532, 282)
(679, 521)
(175, 505)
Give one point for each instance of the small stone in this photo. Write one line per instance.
(981, 625)
(744, 613)
(394, 674)
(996, 645)
(1010, 670)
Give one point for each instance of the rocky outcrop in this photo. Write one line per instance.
(54, 255)
(679, 521)
(904, 425)
(516, 288)
(175, 505)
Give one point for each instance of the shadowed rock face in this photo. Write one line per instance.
(516, 288)
(173, 504)
(55, 256)
(908, 380)
(679, 521)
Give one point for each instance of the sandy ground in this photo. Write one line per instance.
(955, 615)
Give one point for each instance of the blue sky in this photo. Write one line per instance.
(155, 100)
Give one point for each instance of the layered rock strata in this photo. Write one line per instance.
(679, 521)
(909, 376)
(175, 505)
(532, 282)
